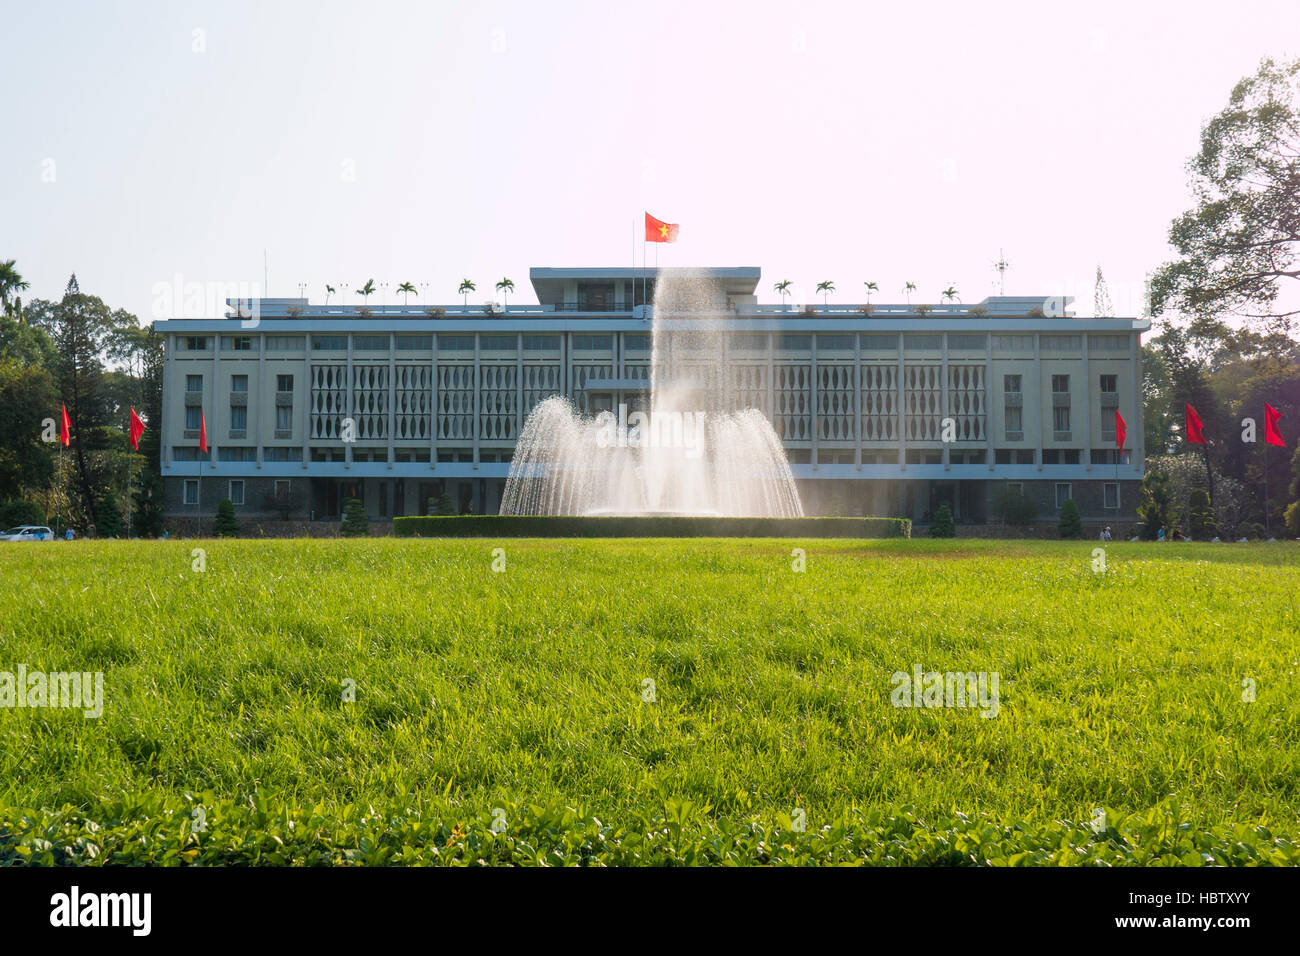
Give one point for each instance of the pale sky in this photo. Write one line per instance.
(434, 141)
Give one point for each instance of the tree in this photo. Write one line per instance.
(1238, 245)
(355, 523)
(406, 289)
(1292, 516)
(14, 513)
(1156, 508)
(783, 288)
(942, 526)
(329, 291)
(504, 286)
(871, 287)
(225, 525)
(949, 295)
(465, 288)
(908, 289)
(1200, 516)
(1102, 307)
(1070, 526)
(10, 283)
(825, 288)
(110, 524)
(27, 399)
(367, 290)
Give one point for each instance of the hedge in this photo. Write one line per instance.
(657, 526)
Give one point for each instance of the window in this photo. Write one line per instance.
(284, 383)
(455, 343)
(282, 454)
(1062, 494)
(193, 422)
(283, 343)
(191, 491)
(796, 343)
(551, 343)
(238, 418)
(879, 343)
(592, 343)
(1112, 456)
(924, 456)
(1060, 419)
(1060, 343)
(188, 453)
(329, 343)
(1011, 383)
(236, 495)
(1108, 343)
(1014, 420)
(414, 343)
(835, 343)
(925, 341)
(1060, 384)
(1003, 344)
(1110, 383)
(193, 383)
(370, 343)
(1016, 488)
(632, 341)
(1060, 456)
(196, 343)
(237, 343)
(283, 418)
(281, 488)
(757, 342)
(1013, 456)
(236, 454)
(239, 383)
(498, 343)
(1110, 495)
(966, 342)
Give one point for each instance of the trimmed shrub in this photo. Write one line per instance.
(355, 523)
(1200, 516)
(1292, 517)
(1071, 525)
(1016, 508)
(109, 523)
(943, 526)
(562, 526)
(225, 525)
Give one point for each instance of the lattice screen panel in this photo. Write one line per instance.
(497, 396)
(790, 384)
(456, 402)
(966, 401)
(328, 400)
(370, 401)
(922, 393)
(880, 402)
(836, 414)
(413, 404)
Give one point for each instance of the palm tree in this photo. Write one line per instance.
(10, 282)
(783, 287)
(949, 295)
(871, 287)
(825, 288)
(466, 287)
(504, 286)
(406, 289)
(367, 290)
(908, 289)
(329, 291)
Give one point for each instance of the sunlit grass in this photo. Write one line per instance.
(1121, 689)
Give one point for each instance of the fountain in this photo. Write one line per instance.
(687, 453)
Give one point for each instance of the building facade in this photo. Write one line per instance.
(883, 409)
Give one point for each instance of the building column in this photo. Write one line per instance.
(857, 399)
(814, 395)
(1038, 400)
(902, 410)
(391, 397)
(258, 392)
(307, 410)
(347, 406)
(945, 396)
(478, 399)
(433, 404)
(1087, 407)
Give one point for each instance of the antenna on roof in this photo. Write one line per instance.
(1002, 266)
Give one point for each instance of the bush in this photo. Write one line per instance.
(1156, 510)
(1071, 525)
(1200, 516)
(14, 513)
(560, 526)
(355, 522)
(225, 525)
(1251, 530)
(286, 503)
(943, 526)
(1292, 517)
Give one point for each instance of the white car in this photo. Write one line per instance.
(27, 532)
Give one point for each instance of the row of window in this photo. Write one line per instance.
(234, 490)
(1060, 384)
(744, 341)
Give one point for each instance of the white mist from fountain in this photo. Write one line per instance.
(686, 454)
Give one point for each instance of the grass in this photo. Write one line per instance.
(522, 692)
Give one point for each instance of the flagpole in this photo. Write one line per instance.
(1267, 528)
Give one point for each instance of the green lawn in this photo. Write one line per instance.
(225, 736)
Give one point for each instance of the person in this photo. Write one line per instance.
(1160, 535)
(1102, 535)
(1107, 532)
(67, 535)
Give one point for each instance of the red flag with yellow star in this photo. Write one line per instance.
(657, 231)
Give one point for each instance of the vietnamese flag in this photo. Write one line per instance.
(137, 429)
(1121, 430)
(657, 231)
(1271, 434)
(65, 431)
(203, 432)
(1194, 434)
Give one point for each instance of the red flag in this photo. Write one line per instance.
(203, 432)
(137, 429)
(1194, 434)
(1271, 434)
(1121, 430)
(657, 231)
(65, 432)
